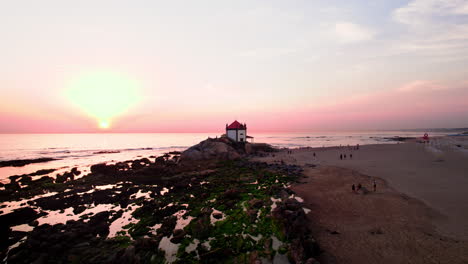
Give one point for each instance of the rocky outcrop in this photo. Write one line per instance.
(211, 149)
(223, 149)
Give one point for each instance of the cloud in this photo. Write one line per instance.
(351, 33)
(462, 9)
(421, 85)
(435, 27)
(419, 12)
(265, 53)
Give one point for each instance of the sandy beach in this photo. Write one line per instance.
(419, 213)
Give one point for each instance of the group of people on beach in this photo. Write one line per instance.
(343, 156)
(359, 187)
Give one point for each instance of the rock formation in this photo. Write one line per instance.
(222, 149)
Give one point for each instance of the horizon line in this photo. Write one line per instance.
(260, 132)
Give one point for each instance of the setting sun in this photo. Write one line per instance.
(104, 124)
(103, 95)
(234, 131)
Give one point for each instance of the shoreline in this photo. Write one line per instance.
(433, 204)
(356, 227)
(351, 228)
(144, 209)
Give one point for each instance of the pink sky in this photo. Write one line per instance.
(420, 104)
(166, 67)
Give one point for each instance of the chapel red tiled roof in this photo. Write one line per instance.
(235, 125)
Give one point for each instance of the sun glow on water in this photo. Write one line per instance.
(103, 95)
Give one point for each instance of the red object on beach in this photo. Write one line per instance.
(426, 136)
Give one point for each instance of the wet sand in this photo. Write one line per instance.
(419, 213)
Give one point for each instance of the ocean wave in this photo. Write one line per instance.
(53, 152)
(84, 153)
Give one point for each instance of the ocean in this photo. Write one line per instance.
(83, 150)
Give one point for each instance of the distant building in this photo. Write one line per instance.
(237, 131)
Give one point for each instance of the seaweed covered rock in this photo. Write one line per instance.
(19, 216)
(294, 223)
(103, 168)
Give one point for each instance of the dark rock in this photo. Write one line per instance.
(292, 204)
(255, 203)
(145, 161)
(146, 243)
(295, 225)
(102, 168)
(160, 160)
(137, 165)
(296, 251)
(284, 194)
(129, 255)
(177, 236)
(168, 225)
(398, 138)
(14, 178)
(42, 172)
(79, 209)
(43, 180)
(122, 166)
(75, 171)
(12, 186)
(19, 216)
(252, 213)
(23, 162)
(99, 223)
(61, 178)
(206, 211)
(5, 232)
(232, 194)
(25, 180)
(201, 227)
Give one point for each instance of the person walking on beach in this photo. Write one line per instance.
(350, 156)
(341, 156)
(344, 156)
(359, 186)
(353, 188)
(314, 154)
(375, 186)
